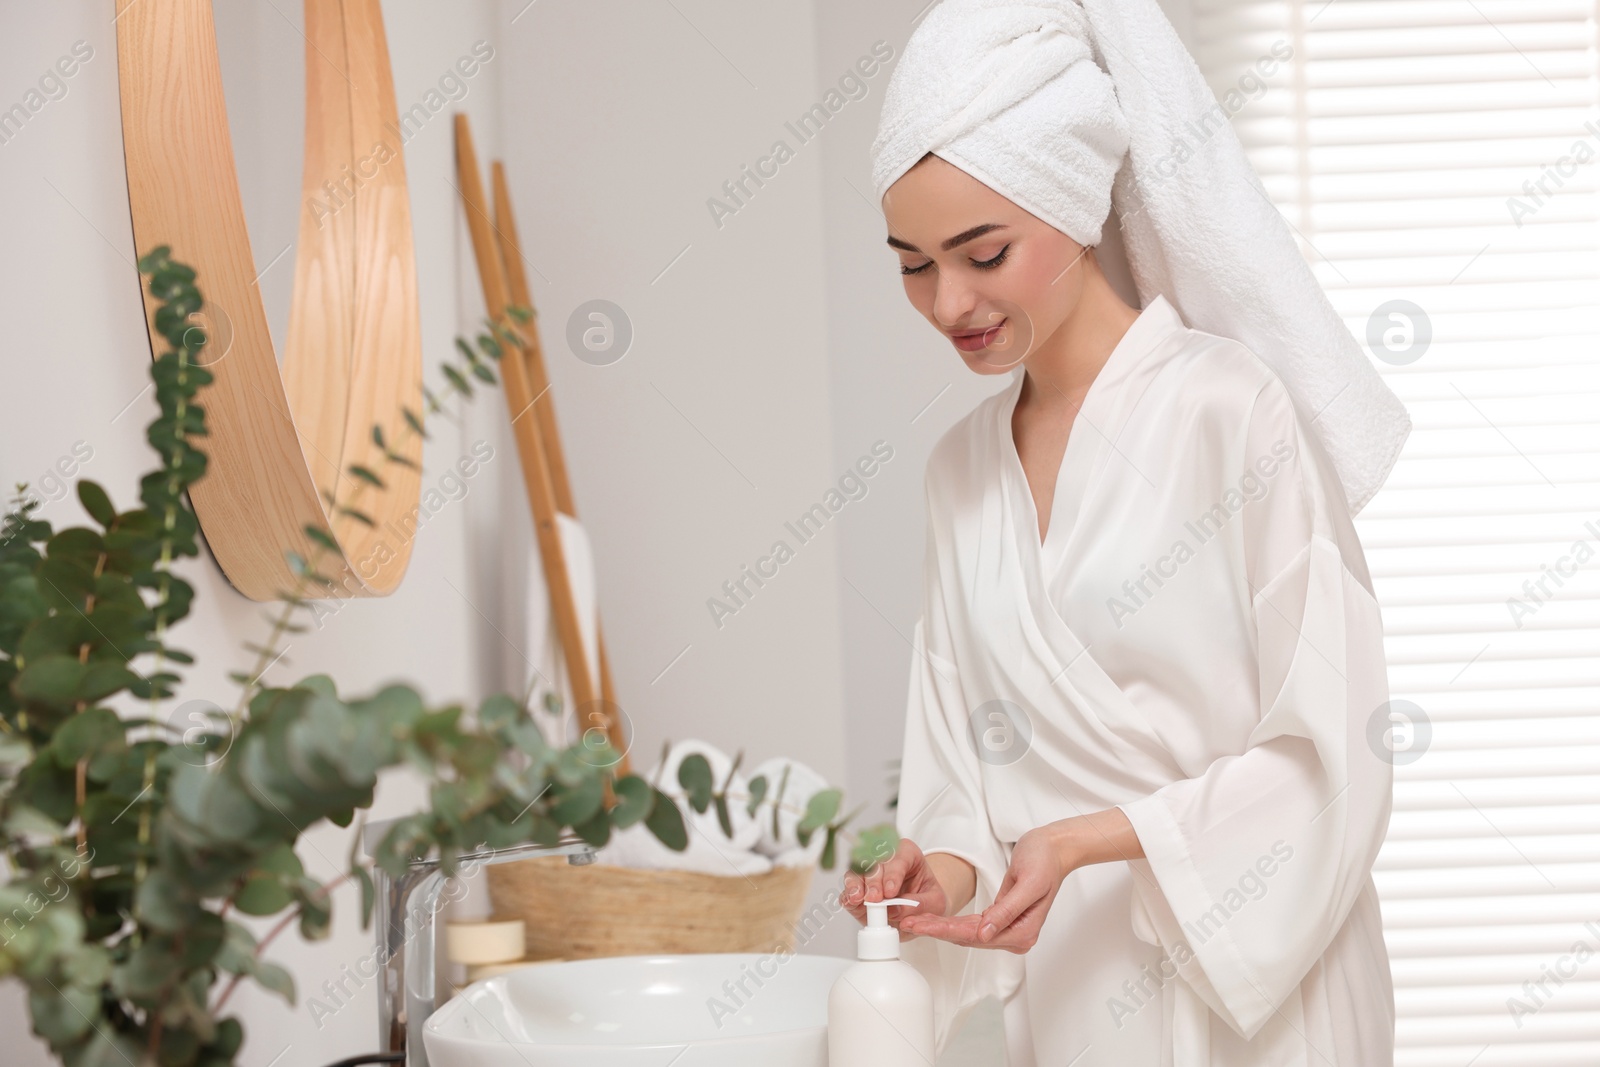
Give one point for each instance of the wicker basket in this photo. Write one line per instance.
(601, 909)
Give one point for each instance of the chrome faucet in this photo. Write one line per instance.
(405, 909)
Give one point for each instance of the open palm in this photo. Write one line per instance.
(1019, 909)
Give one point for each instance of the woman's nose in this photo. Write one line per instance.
(953, 305)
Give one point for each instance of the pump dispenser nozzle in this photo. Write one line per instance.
(878, 940)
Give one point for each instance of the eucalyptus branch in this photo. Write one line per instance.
(126, 969)
(277, 928)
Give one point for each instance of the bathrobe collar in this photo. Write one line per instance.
(1091, 445)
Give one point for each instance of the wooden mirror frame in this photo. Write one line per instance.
(282, 441)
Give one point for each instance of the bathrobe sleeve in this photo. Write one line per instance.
(941, 807)
(1252, 866)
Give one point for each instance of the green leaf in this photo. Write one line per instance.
(358, 471)
(497, 710)
(63, 1016)
(103, 679)
(827, 849)
(276, 979)
(263, 895)
(694, 774)
(22, 820)
(283, 862)
(51, 680)
(596, 830)
(88, 966)
(237, 954)
(377, 436)
(154, 259)
(178, 1047)
(873, 845)
(820, 809)
(369, 894)
(105, 1048)
(86, 733)
(96, 502)
(414, 421)
(321, 684)
(163, 904)
(666, 822)
(321, 537)
(230, 1035)
(758, 793)
(723, 819)
(456, 380)
(202, 941)
(577, 804)
(153, 966)
(633, 800)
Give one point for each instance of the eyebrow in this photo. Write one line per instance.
(959, 239)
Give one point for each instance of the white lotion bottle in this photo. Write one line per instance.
(880, 1011)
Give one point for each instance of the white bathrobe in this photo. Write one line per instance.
(1195, 642)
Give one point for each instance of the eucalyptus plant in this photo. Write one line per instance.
(135, 845)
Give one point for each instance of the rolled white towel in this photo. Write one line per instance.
(811, 855)
(802, 784)
(746, 831)
(637, 847)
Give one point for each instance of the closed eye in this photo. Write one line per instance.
(991, 264)
(987, 264)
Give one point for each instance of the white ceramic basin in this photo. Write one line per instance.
(643, 1011)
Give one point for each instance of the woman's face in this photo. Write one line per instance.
(989, 275)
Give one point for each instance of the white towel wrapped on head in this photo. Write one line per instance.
(1068, 107)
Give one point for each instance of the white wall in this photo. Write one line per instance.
(690, 453)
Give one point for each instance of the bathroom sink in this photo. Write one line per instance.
(643, 1011)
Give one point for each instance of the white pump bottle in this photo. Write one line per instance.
(880, 1011)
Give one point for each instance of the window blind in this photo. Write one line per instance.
(1442, 152)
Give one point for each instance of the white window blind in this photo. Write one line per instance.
(1437, 152)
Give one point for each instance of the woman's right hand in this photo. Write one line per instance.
(904, 874)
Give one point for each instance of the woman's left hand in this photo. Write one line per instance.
(1040, 862)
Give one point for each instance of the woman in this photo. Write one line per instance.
(1144, 779)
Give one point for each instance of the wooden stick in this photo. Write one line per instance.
(519, 402)
(544, 416)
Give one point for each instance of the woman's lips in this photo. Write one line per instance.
(975, 341)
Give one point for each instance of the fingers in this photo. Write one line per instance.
(852, 895)
(885, 881)
(893, 874)
(1012, 922)
(1015, 896)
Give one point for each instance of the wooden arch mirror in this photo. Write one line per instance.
(283, 440)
